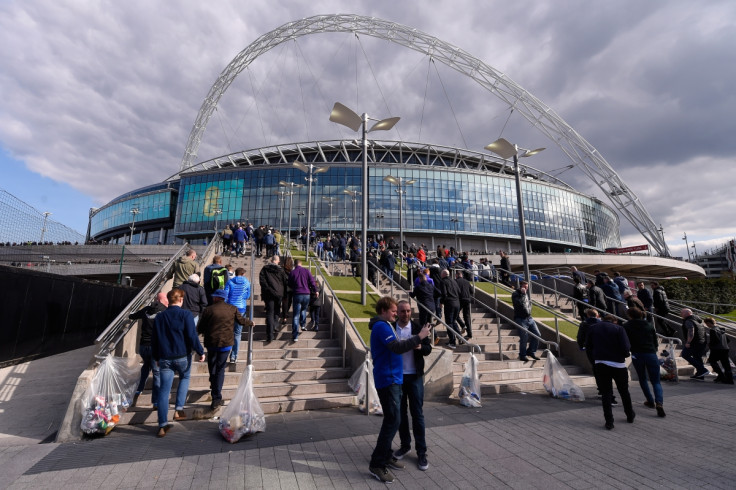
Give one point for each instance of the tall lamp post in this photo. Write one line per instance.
(400, 184)
(345, 116)
(300, 213)
(695, 252)
(217, 212)
(379, 221)
(43, 228)
(455, 221)
(330, 202)
(135, 212)
(310, 170)
(687, 247)
(291, 186)
(506, 150)
(353, 197)
(282, 197)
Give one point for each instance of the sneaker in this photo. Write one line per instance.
(382, 474)
(699, 377)
(630, 418)
(233, 360)
(400, 453)
(451, 346)
(660, 410)
(533, 356)
(614, 403)
(396, 464)
(649, 404)
(422, 463)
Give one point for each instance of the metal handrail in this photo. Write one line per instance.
(600, 310)
(473, 347)
(119, 327)
(499, 315)
(725, 322)
(252, 303)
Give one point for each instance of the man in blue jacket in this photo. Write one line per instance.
(388, 375)
(172, 342)
(237, 292)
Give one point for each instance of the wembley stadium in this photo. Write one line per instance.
(454, 192)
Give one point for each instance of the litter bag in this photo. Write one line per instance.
(357, 383)
(109, 394)
(668, 363)
(557, 382)
(243, 415)
(470, 384)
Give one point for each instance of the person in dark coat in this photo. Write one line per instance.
(195, 298)
(662, 309)
(412, 396)
(466, 298)
(424, 292)
(609, 345)
(645, 296)
(147, 315)
(580, 293)
(596, 297)
(523, 317)
(693, 337)
(506, 268)
(216, 326)
(718, 343)
(644, 342)
(450, 292)
(274, 282)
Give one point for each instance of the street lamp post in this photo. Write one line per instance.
(291, 186)
(217, 212)
(661, 232)
(400, 184)
(282, 197)
(330, 202)
(345, 116)
(455, 221)
(379, 221)
(695, 253)
(310, 170)
(506, 150)
(687, 247)
(353, 197)
(43, 228)
(300, 213)
(135, 212)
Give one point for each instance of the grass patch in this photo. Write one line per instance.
(351, 303)
(488, 288)
(344, 283)
(568, 328)
(731, 315)
(364, 332)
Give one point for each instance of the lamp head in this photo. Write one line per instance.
(345, 116)
(502, 148)
(531, 153)
(391, 179)
(385, 124)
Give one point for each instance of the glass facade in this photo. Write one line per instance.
(483, 202)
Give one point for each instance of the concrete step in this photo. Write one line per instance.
(533, 384)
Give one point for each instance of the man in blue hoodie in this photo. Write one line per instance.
(237, 292)
(388, 375)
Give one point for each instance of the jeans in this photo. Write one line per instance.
(240, 248)
(314, 316)
(648, 365)
(452, 310)
(694, 356)
(299, 317)
(413, 396)
(238, 331)
(527, 325)
(148, 366)
(272, 307)
(390, 398)
(216, 362)
(167, 367)
(604, 377)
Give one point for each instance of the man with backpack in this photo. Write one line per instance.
(215, 277)
(693, 336)
(719, 352)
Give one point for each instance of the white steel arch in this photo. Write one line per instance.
(542, 117)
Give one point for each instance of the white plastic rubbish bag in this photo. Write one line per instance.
(109, 394)
(243, 415)
(557, 382)
(358, 384)
(668, 363)
(470, 384)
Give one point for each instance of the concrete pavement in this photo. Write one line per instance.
(514, 440)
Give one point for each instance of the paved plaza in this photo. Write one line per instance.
(514, 440)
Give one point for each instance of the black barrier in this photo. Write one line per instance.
(43, 314)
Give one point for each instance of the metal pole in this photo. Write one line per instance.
(520, 204)
(122, 257)
(401, 228)
(43, 228)
(364, 222)
(288, 236)
(687, 247)
(309, 209)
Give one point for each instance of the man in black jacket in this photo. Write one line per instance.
(609, 346)
(413, 387)
(195, 299)
(216, 326)
(466, 297)
(147, 315)
(451, 300)
(718, 343)
(693, 337)
(596, 297)
(523, 317)
(273, 281)
(662, 309)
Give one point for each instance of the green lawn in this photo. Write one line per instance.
(351, 303)
(364, 332)
(731, 315)
(344, 283)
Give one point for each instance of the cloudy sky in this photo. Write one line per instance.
(99, 97)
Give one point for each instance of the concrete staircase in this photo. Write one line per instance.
(288, 376)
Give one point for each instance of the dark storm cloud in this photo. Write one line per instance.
(103, 95)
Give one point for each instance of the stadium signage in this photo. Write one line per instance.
(626, 250)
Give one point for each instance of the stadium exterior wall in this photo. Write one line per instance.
(474, 188)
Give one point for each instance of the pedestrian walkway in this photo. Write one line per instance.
(515, 440)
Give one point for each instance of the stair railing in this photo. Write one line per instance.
(252, 304)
